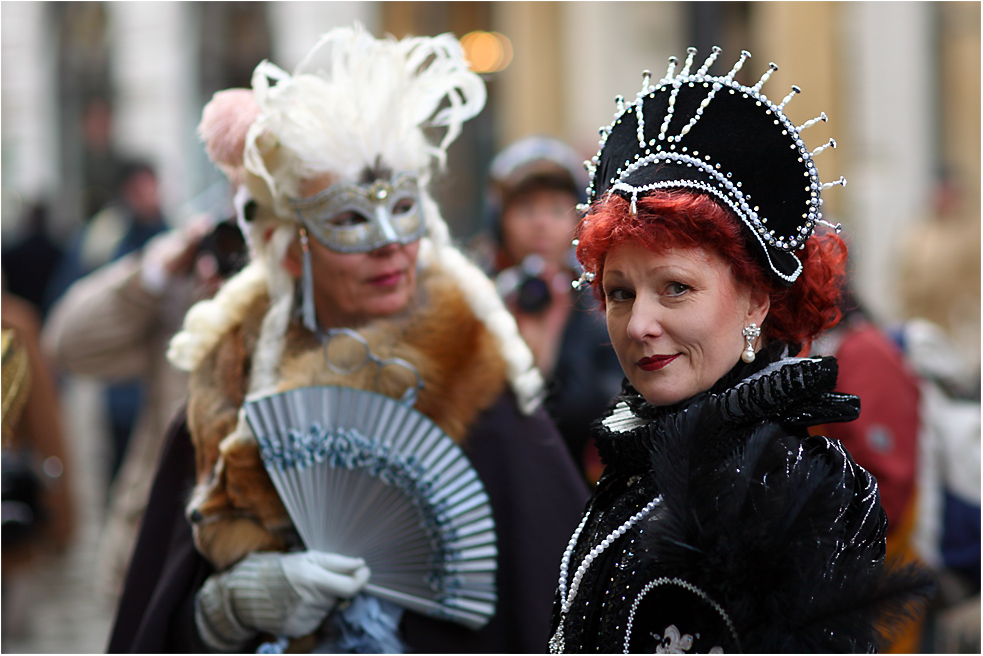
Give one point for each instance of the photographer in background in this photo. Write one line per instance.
(115, 324)
(535, 185)
(125, 224)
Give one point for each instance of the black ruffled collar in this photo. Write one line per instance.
(775, 387)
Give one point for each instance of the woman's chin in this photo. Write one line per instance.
(663, 392)
(386, 305)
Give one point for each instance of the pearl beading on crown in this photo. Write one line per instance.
(666, 147)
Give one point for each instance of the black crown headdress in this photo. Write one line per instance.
(712, 134)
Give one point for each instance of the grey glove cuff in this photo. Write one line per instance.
(253, 596)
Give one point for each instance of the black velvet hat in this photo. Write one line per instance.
(711, 134)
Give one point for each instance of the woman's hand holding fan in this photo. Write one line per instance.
(276, 593)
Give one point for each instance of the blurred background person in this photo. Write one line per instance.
(884, 439)
(125, 225)
(101, 164)
(939, 274)
(114, 325)
(30, 257)
(534, 188)
(38, 513)
(919, 434)
(946, 531)
(939, 334)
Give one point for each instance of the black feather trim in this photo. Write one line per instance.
(753, 531)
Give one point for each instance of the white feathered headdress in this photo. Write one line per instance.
(367, 105)
(354, 103)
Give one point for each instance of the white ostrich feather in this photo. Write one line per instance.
(367, 107)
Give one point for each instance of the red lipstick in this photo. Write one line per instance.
(387, 279)
(655, 362)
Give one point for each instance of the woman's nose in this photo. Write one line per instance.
(645, 321)
(386, 249)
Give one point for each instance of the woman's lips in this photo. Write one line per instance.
(655, 362)
(386, 279)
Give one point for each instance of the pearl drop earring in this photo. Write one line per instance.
(750, 333)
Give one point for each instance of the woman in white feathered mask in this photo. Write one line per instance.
(351, 261)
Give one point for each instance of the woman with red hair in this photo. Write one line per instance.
(720, 524)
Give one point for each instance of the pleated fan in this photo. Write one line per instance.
(365, 475)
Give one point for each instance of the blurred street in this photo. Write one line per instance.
(56, 608)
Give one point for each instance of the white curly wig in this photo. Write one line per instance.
(354, 103)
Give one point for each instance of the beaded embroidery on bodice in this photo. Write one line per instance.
(620, 508)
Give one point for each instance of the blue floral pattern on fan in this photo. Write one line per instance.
(350, 450)
(366, 475)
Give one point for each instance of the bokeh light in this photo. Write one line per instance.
(487, 52)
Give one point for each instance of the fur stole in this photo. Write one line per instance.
(235, 508)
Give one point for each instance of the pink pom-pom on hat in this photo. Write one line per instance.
(224, 123)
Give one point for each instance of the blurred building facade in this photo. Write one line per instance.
(900, 82)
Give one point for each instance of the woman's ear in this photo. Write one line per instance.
(758, 306)
(292, 259)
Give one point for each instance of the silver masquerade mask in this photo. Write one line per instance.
(356, 218)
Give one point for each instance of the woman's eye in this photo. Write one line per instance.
(619, 295)
(347, 219)
(676, 288)
(404, 206)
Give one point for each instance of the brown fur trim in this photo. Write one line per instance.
(218, 386)
(238, 510)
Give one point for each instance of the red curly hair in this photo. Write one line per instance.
(686, 219)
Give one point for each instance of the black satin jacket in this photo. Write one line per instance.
(721, 525)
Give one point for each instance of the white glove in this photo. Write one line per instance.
(275, 593)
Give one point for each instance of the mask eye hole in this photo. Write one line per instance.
(403, 206)
(347, 219)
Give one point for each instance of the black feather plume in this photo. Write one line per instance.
(786, 536)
